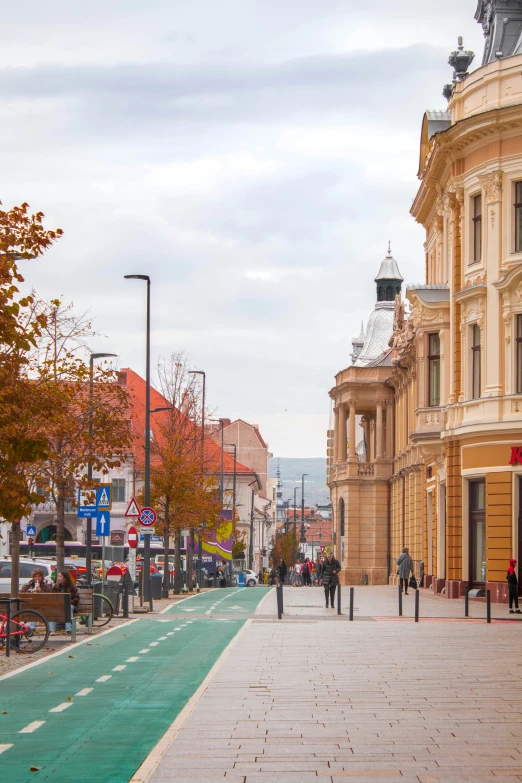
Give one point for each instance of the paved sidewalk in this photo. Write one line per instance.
(326, 700)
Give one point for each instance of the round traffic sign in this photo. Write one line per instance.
(114, 574)
(132, 537)
(147, 517)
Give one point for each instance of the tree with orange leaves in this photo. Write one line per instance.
(184, 484)
(26, 401)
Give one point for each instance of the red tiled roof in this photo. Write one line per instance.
(136, 387)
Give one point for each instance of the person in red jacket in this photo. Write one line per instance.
(513, 587)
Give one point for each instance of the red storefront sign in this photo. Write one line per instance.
(516, 455)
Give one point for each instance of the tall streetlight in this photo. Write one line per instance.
(92, 359)
(222, 482)
(204, 377)
(295, 512)
(146, 488)
(303, 536)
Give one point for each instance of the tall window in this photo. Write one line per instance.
(477, 531)
(433, 370)
(118, 490)
(518, 217)
(519, 354)
(477, 228)
(341, 517)
(475, 362)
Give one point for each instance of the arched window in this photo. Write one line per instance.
(389, 293)
(380, 293)
(341, 517)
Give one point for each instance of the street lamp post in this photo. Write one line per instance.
(295, 512)
(92, 357)
(204, 377)
(303, 537)
(146, 489)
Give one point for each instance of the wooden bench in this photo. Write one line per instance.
(56, 607)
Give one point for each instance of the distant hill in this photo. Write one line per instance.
(316, 491)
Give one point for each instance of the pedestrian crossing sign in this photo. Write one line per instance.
(104, 497)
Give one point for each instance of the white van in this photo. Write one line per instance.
(27, 567)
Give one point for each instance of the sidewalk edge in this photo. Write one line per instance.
(145, 770)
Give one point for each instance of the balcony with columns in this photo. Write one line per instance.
(370, 407)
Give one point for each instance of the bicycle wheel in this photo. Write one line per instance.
(102, 610)
(29, 631)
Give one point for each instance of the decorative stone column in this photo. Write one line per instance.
(336, 434)
(389, 429)
(352, 444)
(379, 435)
(492, 251)
(342, 432)
(372, 439)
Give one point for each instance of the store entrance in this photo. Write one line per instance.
(519, 553)
(477, 533)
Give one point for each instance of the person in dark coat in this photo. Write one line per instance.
(404, 568)
(282, 571)
(513, 587)
(330, 577)
(65, 584)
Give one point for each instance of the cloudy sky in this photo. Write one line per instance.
(252, 156)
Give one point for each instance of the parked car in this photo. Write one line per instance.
(251, 578)
(27, 567)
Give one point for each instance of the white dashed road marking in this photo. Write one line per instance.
(104, 678)
(32, 727)
(146, 650)
(153, 644)
(5, 747)
(161, 638)
(61, 707)
(119, 668)
(133, 659)
(84, 691)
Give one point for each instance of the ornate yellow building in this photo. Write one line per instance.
(442, 470)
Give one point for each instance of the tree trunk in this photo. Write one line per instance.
(15, 559)
(166, 563)
(190, 554)
(60, 530)
(177, 562)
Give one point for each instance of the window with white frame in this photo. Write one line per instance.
(518, 217)
(476, 254)
(433, 370)
(475, 362)
(118, 490)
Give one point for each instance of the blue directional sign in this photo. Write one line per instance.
(103, 523)
(86, 509)
(31, 530)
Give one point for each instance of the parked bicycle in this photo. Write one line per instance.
(102, 607)
(28, 631)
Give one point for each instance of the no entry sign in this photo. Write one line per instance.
(132, 537)
(147, 517)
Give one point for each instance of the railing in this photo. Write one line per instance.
(49, 507)
(366, 469)
(430, 419)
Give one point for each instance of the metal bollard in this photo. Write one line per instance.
(338, 599)
(400, 600)
(282, 600)
(125, 600)
(488, 606)
(417, 597)
(466, 602)
(352, 591)
(279, 601)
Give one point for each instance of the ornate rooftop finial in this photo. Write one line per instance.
(460, 60)
(501, 22)
(389, 248)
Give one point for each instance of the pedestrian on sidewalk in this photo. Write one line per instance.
(282, 571)
(404, 568)
(319, 563)
(64, 584)
(513, 587)
(330, 577)
(306, 573)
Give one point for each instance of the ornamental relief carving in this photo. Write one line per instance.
(492, 186)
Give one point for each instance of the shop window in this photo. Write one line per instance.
(477, 228)
(518, 217)
(341, 517)
(475, 362)
(519, 353)
(118, 490)
(433, 370)
(477, 531)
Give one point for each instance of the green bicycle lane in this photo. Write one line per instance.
(97, 710)
(237, 601)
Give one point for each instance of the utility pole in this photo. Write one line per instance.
(251, 543)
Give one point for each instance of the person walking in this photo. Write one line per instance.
(330, 577)
(513, 587)
(64, 584)
(282, 571)
(37, 583)
(306, 573)
(404, 568)
(319, 570)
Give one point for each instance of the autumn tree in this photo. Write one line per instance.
(284, 546)
(25, 402)
(184, 466)
(62, 351)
